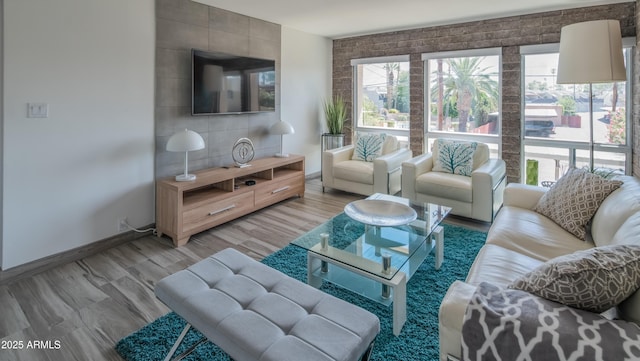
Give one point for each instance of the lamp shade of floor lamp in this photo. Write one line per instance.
(185, 141)
(281, 128)
(591, 52)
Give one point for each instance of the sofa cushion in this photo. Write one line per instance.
(455, 157)
(614, 211)
(445, 185)
(354, 171)
(532, 234)
(368, 146)
(593, 280)
(628, 233)
(499, 266)
(574, 199)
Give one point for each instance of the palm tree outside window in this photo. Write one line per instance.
(381, 95)
(464, 96)
(469, 87)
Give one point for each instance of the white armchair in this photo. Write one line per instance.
(382, 175)
(478, 196)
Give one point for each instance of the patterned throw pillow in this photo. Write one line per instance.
(454, 157)
(574, 199)
(368, 146)
(594, 280)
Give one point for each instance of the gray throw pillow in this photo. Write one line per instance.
(594, 280)
(574, 199)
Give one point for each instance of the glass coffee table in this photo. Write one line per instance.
(375, 256)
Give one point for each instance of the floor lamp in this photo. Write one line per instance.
(591, 52)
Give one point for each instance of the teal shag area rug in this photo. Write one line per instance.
(417, 341)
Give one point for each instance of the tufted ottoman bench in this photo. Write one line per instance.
(254, 312)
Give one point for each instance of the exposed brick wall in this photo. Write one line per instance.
(509, 33)
(416, 104)
(511, 110)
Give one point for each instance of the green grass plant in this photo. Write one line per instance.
(335, 111)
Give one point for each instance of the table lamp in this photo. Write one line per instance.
(281, 128)
(591, 52)
(185, 141)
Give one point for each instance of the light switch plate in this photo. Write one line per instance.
(37, 110)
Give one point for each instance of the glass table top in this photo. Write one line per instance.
(363, 245)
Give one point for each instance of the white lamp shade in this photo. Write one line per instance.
(281, 128)
(591, 52)
(185, 141)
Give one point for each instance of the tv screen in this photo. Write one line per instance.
(225, 83)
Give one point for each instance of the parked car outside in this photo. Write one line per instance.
(539, 128)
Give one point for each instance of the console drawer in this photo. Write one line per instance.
(278, 190)
(213, 213)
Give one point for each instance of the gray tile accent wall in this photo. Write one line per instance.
(180, 26)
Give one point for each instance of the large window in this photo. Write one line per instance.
(463, 95)
(382, 94)
(558, 119)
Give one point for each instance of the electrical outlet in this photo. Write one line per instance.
(37, 110)
(122, 224)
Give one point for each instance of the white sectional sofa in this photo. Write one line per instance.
(520, 240)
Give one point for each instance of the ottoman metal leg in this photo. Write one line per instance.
(367, 353)
(179, 341)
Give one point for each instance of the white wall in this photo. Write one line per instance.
(306, 82)
(67, 178)
(1, 115)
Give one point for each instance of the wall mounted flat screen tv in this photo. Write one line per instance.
(224, 83)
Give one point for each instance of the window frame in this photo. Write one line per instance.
(400, 133)
(434, 134)
(573, 146)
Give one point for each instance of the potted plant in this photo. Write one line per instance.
(335, 112)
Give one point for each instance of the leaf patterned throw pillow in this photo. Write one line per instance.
(454, 157)
(368, 146)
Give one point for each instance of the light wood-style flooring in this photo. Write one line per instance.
(78, 311)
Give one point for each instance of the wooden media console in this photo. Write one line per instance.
(219, 195)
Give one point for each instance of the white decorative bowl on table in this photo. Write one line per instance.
(379, 212)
